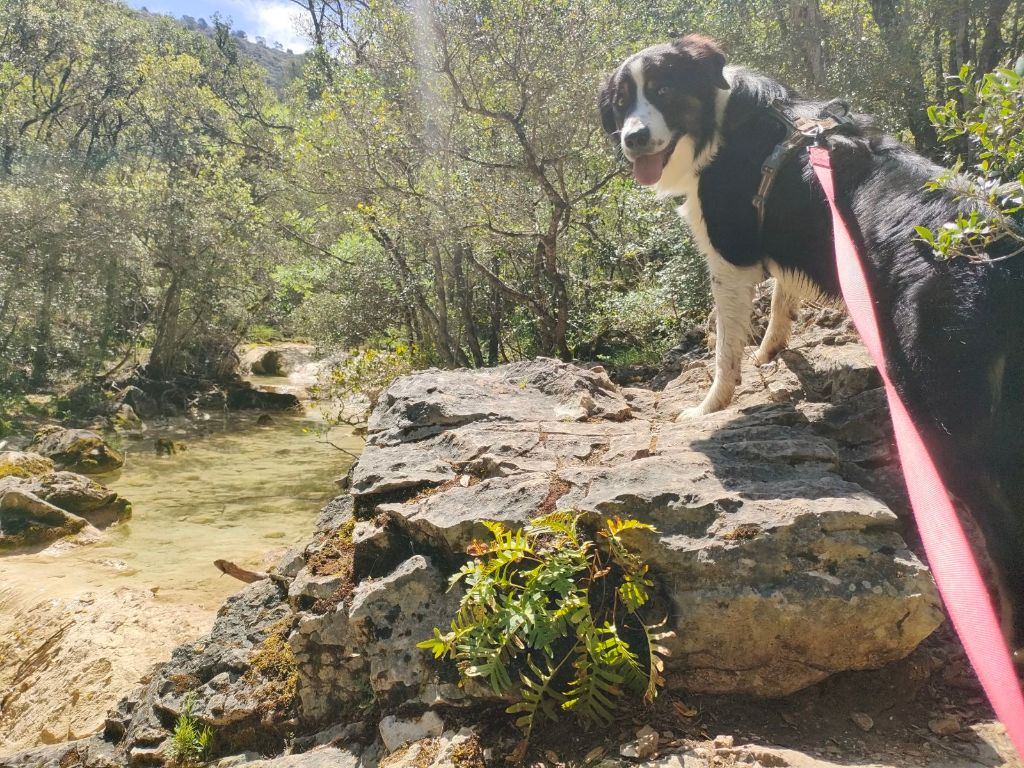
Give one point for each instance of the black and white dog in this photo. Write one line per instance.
(953, 330)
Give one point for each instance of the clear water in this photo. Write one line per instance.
(239, 491)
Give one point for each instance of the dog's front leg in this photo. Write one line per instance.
(733, 291)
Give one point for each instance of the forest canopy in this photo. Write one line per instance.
(434, 176)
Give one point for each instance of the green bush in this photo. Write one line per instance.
(554, 617)
(985, 125)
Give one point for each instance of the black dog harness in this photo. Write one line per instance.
(800, 131)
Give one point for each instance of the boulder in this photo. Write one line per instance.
(778, 570)
(47, 507)
(278, 360)
(27, 520)
(126, 420)
(23, 464)
(77, 450)
(431, 402)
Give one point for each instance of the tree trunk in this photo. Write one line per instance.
(561, 295)
(466, 306)
(44, 326)
(896, 36)
(165, 358)
(992, 45)
(808, 26)
(494, 337)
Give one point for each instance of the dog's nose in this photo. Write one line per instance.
(638, 138)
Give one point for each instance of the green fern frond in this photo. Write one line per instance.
(546, 591)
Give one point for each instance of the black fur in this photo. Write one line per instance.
(953, 330)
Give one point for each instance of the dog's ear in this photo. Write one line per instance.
(707, 54)
(604, 102)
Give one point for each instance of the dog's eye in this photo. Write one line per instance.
(664, 90)
(620, 101)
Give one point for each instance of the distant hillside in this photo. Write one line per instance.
(282, 65)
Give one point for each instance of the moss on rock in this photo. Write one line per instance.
(23, 464)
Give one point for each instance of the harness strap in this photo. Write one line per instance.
(800, 131)
(949, 554)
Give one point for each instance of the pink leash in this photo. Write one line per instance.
(949, 555)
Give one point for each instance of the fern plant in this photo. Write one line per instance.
(190, 741)
(553, 617)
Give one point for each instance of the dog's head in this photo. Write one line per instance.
(661, 106)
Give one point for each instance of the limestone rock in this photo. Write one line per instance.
(397, 732)
(55, 690)
(430, 402)
(27, 520)
(276, 360)
(217, 671)
(451, 749)
(23, 464)
(77, 450)
(777, 569)
(40, 509)
(370, 644)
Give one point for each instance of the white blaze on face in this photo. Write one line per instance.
(648, 165)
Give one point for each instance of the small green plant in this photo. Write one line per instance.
(191, 741)
(553, 616)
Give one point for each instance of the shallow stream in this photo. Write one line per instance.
(237, 491)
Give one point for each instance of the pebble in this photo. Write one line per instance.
(862, 721)
(946, 725)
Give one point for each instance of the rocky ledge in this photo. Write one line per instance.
(778, 556)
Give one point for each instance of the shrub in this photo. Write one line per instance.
(554, 616)
(985, 125)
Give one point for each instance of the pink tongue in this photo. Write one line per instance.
(647, 168)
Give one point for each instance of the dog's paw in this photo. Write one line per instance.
(699, 410)
(765, 356)
(689, 414)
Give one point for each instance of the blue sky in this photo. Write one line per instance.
(272, 19)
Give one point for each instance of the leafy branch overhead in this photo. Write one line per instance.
(553, 617)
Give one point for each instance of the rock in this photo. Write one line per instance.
(82, 496)
(23, 464)
(369, 645)
(66, 658)
(450, 749)
(430, 402)
(276, 360)
(44, 508)
(240, 676)
(244, 396)
(862, 720)
(645, 746)
(84, 753)
(395, 732)
(834, 370)
(778, 570)
(327, 757)
(77, 450)
(126, 420)
(946, 725)
(452, 520)
(143, 404)
(27, 520)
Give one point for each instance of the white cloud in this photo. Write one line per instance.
(275, 20)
